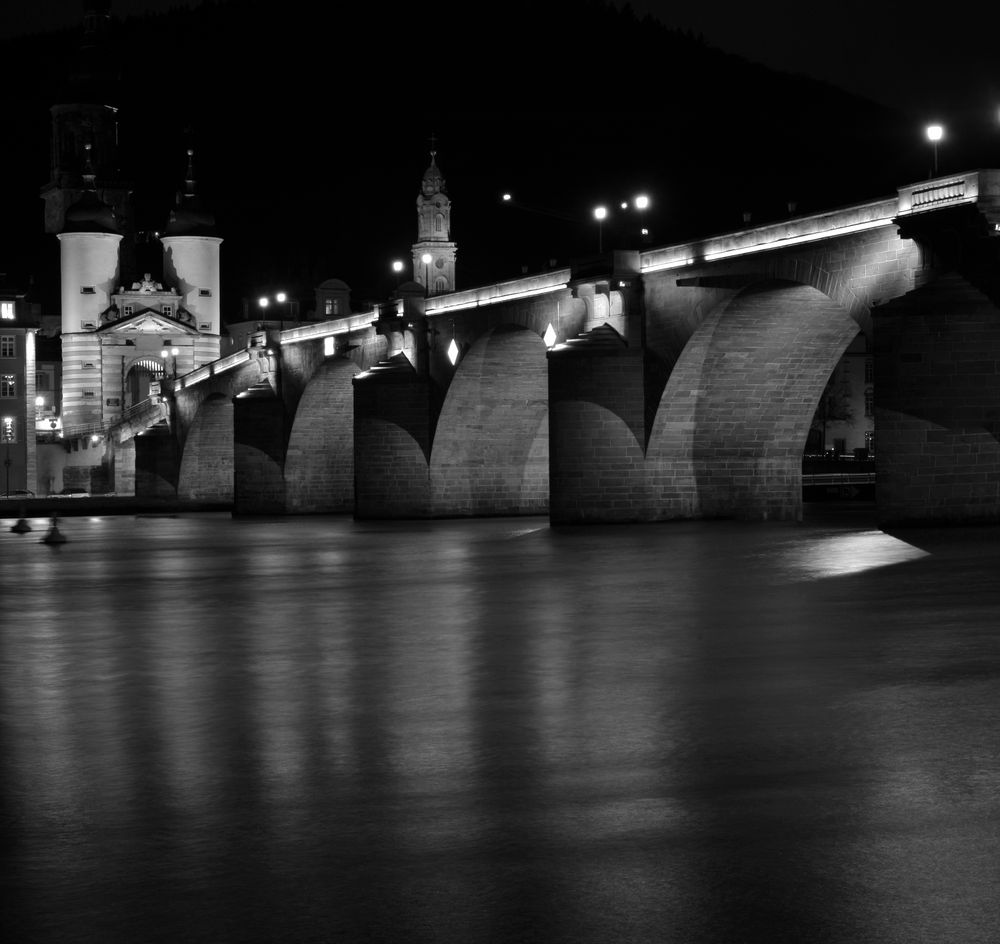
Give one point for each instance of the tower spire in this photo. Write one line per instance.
(434, 252)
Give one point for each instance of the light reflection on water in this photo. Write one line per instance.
(316, 730)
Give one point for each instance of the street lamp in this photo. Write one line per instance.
(934, 134)
(426, 260)
(599, 214)
(172, 353)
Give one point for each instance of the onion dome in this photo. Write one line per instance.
(190, 217)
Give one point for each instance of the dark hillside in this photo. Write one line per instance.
(311, 133)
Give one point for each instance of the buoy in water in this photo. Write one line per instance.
(21, 526)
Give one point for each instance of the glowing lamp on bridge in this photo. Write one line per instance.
(550, 336)
(453, 352)
(600, 214)
(934, 134)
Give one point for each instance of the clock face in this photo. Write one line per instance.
(439, 263)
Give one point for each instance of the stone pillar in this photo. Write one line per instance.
(937, 424)
(597, 431)
(260, 437)
(157, 464)
(392, 443)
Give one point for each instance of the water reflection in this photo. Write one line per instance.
(314, 730)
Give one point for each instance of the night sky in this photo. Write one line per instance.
(311, 124)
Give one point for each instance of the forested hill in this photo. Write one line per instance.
(312, 127)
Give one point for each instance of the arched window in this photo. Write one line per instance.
(440, 284)
(439, 223)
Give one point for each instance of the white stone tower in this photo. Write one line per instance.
(191, 264)
(434, 252)
(88, 253)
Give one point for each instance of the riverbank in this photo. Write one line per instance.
(69, 506)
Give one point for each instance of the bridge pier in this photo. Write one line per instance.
(937, 457)
(392, 441)
(156, 463)
(260, 436)
(597, 430)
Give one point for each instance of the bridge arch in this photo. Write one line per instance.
(490, 454)
(206, 472)
(319, 464)
(734, 416)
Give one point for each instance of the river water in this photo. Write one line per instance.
(321, 730)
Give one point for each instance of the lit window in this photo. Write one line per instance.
(329, 346)
(8, 429)
(7, 311)
(8, 388)
(328, 306)
(7, 348)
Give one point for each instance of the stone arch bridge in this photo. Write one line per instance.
(674, 382)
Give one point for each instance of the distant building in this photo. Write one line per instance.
(844, 423)
(17, 392)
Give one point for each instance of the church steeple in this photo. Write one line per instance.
(434, 252)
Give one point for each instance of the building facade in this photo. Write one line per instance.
(17, 393)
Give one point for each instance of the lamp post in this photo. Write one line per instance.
(599, 214)
(641, 203)
(426, 260)
(934, 134)
(172, 353)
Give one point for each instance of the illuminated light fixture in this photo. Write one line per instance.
(453, 352)
(280, 297)
(934, 134)
(641, 202)
(778, 242)
(39, 401)
(496, 299)
(644, 231)
(550, 336)
(600, 214)
(397, 266)
(263, 302)
(624, 204)
(506, 198)
(174, 351)
(95, 438)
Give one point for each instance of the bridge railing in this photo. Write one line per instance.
(212, 369)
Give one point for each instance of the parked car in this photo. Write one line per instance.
(21, 493)
(74, 491)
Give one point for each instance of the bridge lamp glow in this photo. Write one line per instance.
(600, 213)
(550, 336)
(641, 202)
(934, 134)
(263, 301)
(280, 298)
